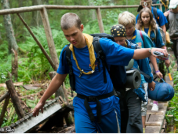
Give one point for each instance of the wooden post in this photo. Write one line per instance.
(60, 91)
(44, 16)
(15, 99)
(4, 96)
(4, 110)
(38, 43)
(100, 22)
(15, 65)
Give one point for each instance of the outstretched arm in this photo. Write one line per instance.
(54, 85)
(144, 52)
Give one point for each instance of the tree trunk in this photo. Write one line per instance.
(0, 39)
(15, 65)
(12, 44)
(36, 19)
(46, 2)
(92, 12)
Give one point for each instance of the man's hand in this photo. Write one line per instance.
(167, 63)
(151, 85)
(164, 51)
(37, 108)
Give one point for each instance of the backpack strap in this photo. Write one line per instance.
(144, 74)
(141, 36)
(156, 14)
(71, 74)
(100, 55)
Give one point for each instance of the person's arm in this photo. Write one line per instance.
(144, 52)
(167, 62)
(155, 65)
(54, 85)
(164, 29)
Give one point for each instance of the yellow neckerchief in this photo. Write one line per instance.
(125, 43)
(167, 3)
(149, 31)
(133, 37)
(89, 40)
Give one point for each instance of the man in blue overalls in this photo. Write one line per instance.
(103, 114)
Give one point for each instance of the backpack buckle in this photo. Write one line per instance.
(91, 98)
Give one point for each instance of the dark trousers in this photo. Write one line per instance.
(130, 105)
(175, 49)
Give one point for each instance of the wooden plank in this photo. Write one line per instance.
(160, 112)
(156, 118)
(159, 123)
(15, 84)
(52, 50)
(152, 129)
(100, 22)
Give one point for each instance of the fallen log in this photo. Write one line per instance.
(4, 109)
(4, 96)
(15, 99)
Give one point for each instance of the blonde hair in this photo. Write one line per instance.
(140, 22)
(69, 20)
(126, 18)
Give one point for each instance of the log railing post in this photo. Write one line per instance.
(100, 22)
(44, 16)
(15, 99)
(4, 110)
(38, 43)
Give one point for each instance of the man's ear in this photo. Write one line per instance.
(81, 27)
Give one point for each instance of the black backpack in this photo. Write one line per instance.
(117, 73)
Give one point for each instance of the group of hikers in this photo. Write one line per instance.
(98, 107)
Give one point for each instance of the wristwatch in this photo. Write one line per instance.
(150, 50)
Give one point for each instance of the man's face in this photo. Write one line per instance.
(74, 35)
(146, 3)
(130, 30)
(120, 40)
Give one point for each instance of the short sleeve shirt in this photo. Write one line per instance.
(93, 84)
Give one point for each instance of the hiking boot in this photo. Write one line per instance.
(155, 107)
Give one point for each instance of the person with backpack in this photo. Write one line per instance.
(141, 38)
(147, 24)
(96, 108)
(135, 36)
(129, 103)
(172, 16)
(157, 14)
(165, 4)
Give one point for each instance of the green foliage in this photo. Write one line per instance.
(173, 101)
